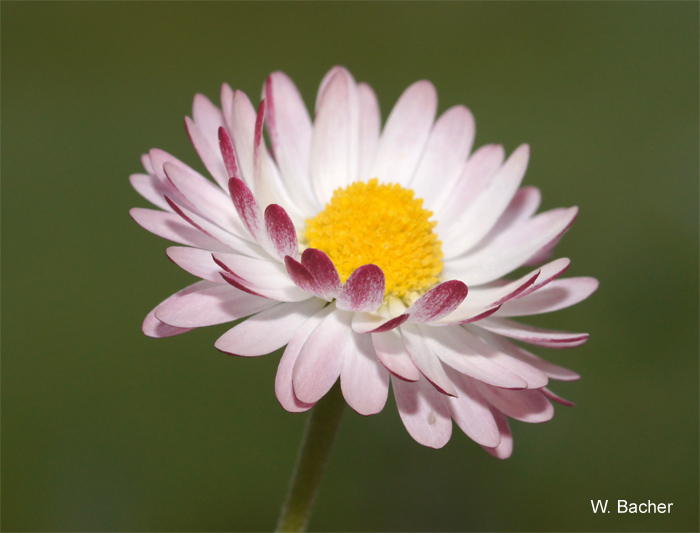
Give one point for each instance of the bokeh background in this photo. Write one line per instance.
(104, 429)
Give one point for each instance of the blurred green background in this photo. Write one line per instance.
(104, 429)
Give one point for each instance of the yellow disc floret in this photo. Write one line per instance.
(382, 224)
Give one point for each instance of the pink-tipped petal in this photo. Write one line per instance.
(423, 411)
(240, 122)
(321, 358)
(210, 201)
(405, 134)
(269, 330)
(533, 335)
(300, 275)
(281, 231)
(323, 271)
(391, 352)
(364, 382)
(206, 304)
(283, 380)
(267, 278)
(376, 323)
(438, 302)
(364, 289)
(228, 154)
(558, 294)
(555, 398)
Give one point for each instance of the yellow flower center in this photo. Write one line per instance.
(382, 224)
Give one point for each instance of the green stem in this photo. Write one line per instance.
(321, 427)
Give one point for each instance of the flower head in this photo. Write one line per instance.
(376, 255)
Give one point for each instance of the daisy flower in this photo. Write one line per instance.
(377, 256)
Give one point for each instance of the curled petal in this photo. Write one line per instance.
(364, 289)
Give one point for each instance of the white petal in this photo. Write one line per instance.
(365, 383)
(424, 358)
(392, 353)
(405, 134)
(472, 413)
(172, 227)
(206, 303)
(321, 358)
(370, 124)
(524, 405)
(423, 411)
(558, 294)
(335, 142)
(283, 380)
(269, 330)
(480, 216)
(505, 448)
(444, 157)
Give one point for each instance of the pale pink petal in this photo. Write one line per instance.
(488, 207)
(426, 361)
(268, 330)
(267, 278)
(324, 272)
(511, 249)
(489, 297)
(206, 303)
(405, 134)
(376, 323)
(364, 290)
(477, 173)
(444, 157)
(241, 126)
(207, 147)
(269, 188)
(505, 448)
(364, 382)
(438, 302)
(321, 358)
(216, 232)
(466, 354)
(503, 345)
(283, 380)
(533, 335)
(195, 261)
(472, 413)
(524, 405)
(335, 141)
(151, 188)
(423, 411)
(210, 201)
(370, 125)
(290, 129)
(391, 352)
(170, 226)
(558, 294)
(152, 327)
(281, 231)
